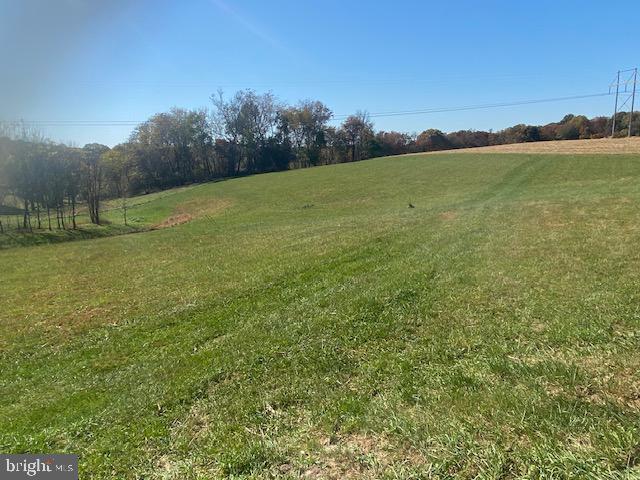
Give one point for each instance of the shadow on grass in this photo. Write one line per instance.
(14, 238)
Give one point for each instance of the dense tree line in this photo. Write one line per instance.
(246, 134)
(571, 127)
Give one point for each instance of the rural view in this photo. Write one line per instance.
(344, 240)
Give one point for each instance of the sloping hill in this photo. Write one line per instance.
(309, 323)
(624, 146)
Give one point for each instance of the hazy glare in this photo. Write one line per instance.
(37, 41)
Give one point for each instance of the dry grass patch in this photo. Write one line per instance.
(200, 207)
(192, 209)
(565, 147)
(449, 215)
(174, 220)
(360, 456)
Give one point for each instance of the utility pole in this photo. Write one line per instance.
(615, 108)
(629, 78)
(633, 98)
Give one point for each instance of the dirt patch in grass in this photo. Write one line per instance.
(192, 209)
(174, 220)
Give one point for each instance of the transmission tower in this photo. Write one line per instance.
(625, 89)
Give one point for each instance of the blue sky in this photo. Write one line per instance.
(90, 60)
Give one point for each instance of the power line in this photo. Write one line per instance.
(481, 106)
(370, 79)
(424, 111)
(73, 123)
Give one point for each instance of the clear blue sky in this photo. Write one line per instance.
(78, 60)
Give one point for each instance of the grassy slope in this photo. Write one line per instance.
(309, 322)
(143, 212)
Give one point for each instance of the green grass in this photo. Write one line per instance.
(143, 213)
(310, 323)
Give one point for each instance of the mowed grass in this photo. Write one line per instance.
(141, 217)
(310, 324)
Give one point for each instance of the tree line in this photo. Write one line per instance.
(47, 180)
(246, 134)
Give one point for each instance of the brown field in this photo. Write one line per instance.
(572, 147)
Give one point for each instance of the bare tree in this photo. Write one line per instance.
(119, 168)
(92, 178)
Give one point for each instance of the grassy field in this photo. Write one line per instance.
(626, 145)
(309, 323)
